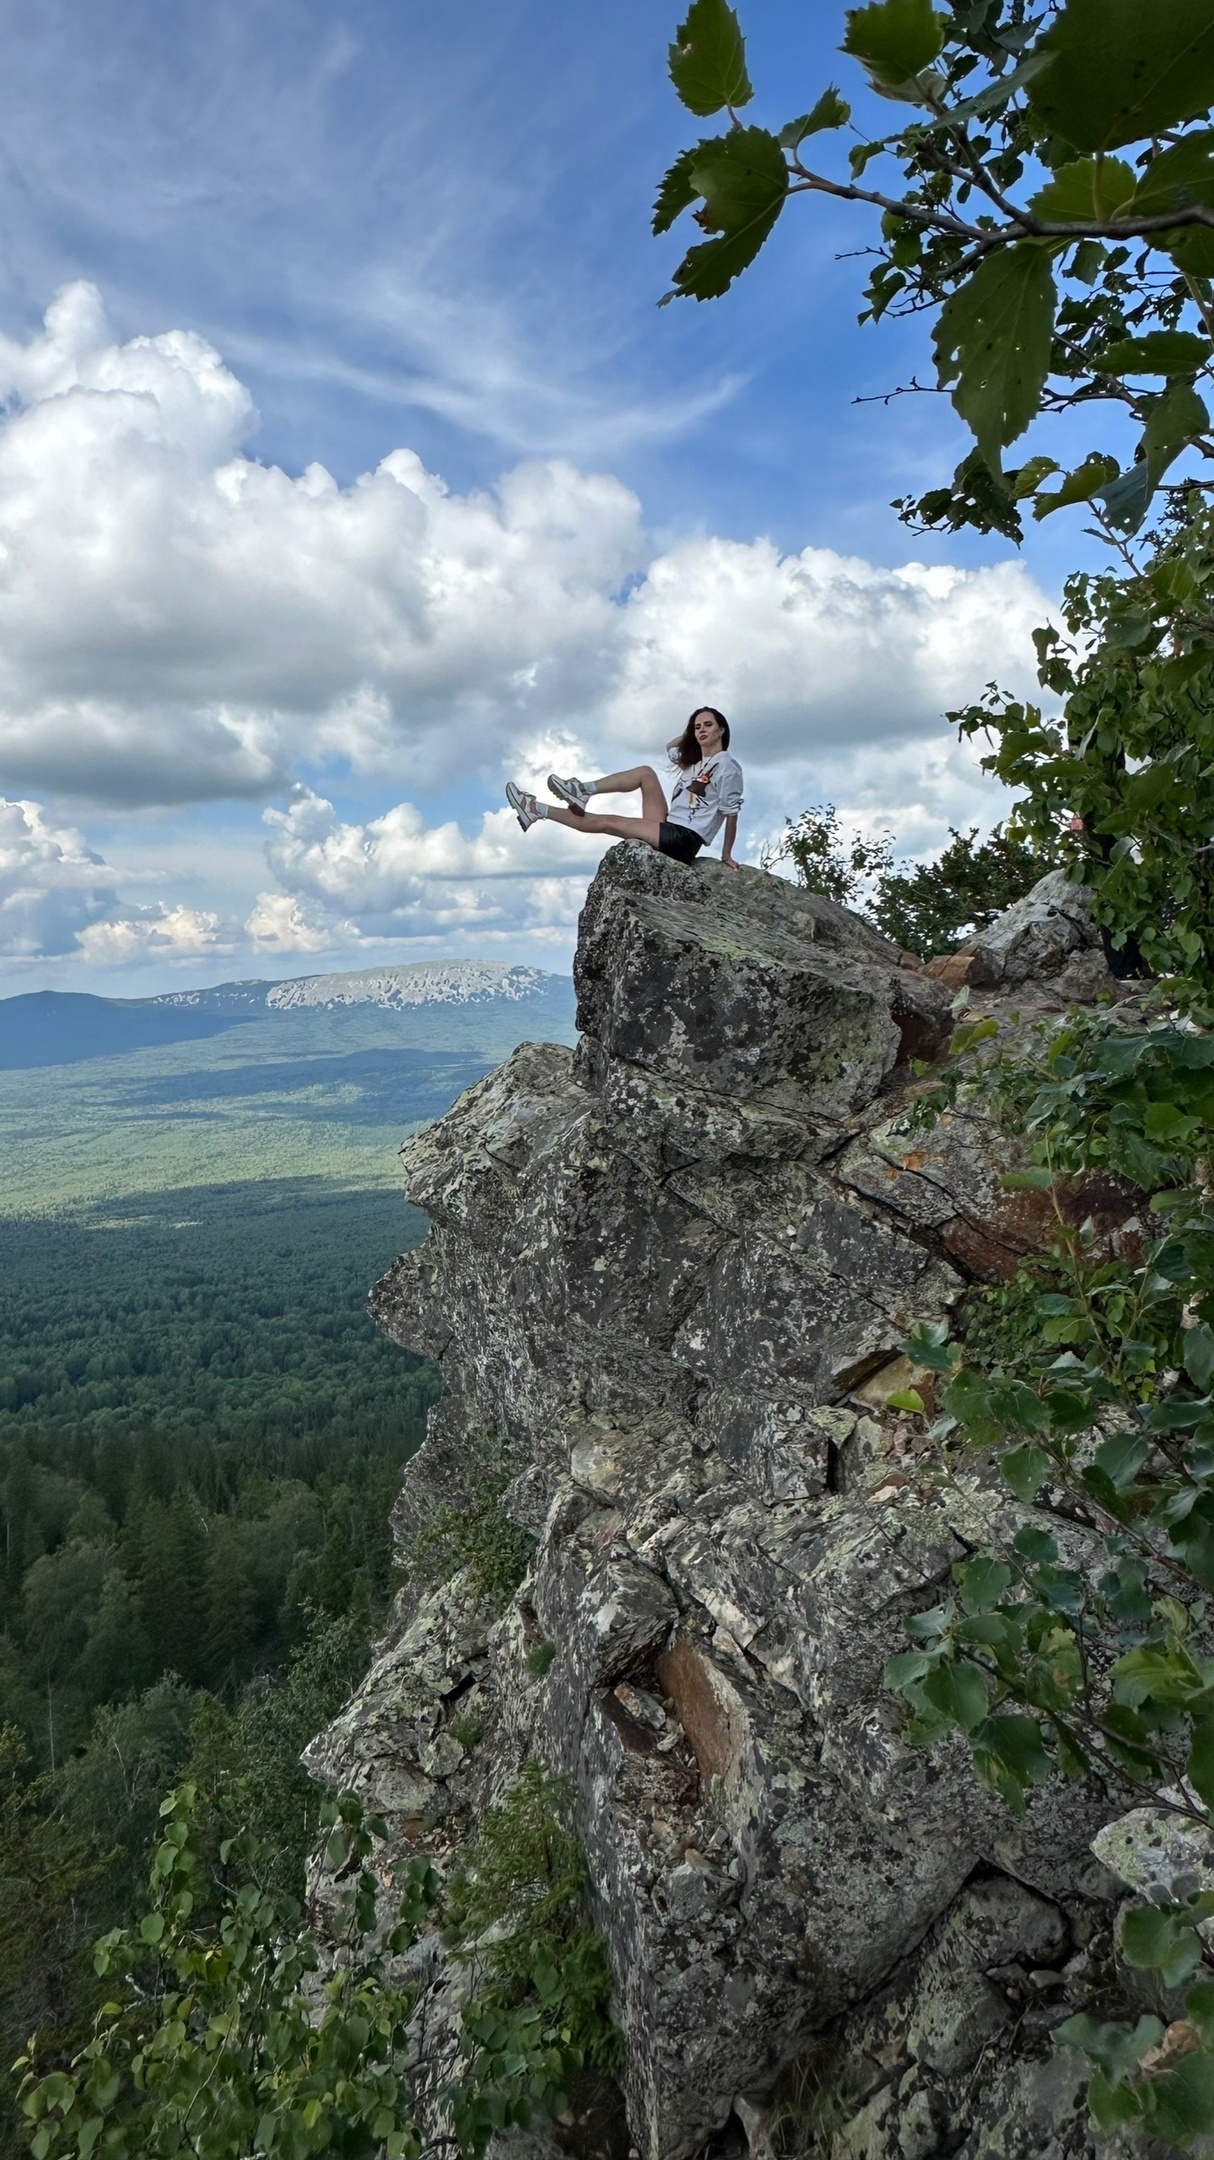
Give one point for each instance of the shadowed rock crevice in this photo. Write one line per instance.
(668, 1278)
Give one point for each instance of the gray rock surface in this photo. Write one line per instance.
(1047, 936)
(665, 1277)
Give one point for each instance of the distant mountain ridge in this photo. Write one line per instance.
(62, 1027)
(422, 982)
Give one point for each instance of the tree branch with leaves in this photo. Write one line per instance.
(1061, 276)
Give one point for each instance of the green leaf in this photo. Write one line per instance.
(1153, 1673)
(982, 1583)
(1121, 1457)
(1028, 478)
(1121, 71)
(1178, 177)
(930, 1346)
(743, 179)
(958, 1692)
(1181, 2103)
(1200, 1766)
(1026, 1470)
(1198, 1355)
(1015, 1742)
(676, 192)
(967, 1038)
(968, 1399)
(1174, 180)
(1087, 261)
(1159, 1939)
(895, 39)
(1112, 2105)
(708, 59)
(1175, 419)
(1034, 1544)
(992, 340)
(151, 1927)
(907, 1398)
(1160, 352)
(1181, 174)
(831, 111)
(997, 93)
(989, 1630)
(1016, 1404)
(1117, 2051)
(903, 1672)
(1199, 2009)
(1090, 191)
(906, 1670)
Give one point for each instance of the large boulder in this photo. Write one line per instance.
(747, 986)
(1049, 934)
(666, 1276)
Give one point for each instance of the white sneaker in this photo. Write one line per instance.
(574, 792)
(526, 806)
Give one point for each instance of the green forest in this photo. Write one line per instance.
(201, 1435)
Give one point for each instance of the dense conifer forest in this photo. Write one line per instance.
(201, 1434)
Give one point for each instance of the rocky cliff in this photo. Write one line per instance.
(667, 1281)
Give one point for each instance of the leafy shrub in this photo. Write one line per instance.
(1091, 1378)
(540, 2009)
(823, 860)
(932, 907)
(218, 2037)
(929, 908)
(1125, 774)
(476, 1536)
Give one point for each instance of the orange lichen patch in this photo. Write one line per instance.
(894, 1379)
(711, 1712)
(981, 1252)
(955, 970)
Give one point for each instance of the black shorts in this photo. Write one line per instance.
(679, 841)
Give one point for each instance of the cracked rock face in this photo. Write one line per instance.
(664, 1277)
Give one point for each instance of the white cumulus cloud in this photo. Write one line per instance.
(52, 885)
(181, 624)
(279, 922)
(396, 877)
(161, 932)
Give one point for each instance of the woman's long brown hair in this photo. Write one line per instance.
(686, 751)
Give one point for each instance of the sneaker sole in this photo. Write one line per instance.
(557, 787)
(517, 802)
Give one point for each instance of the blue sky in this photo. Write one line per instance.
(259, 691)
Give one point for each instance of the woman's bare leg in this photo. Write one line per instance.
(653, 801)
(620, 828)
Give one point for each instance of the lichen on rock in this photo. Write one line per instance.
(662, 1273)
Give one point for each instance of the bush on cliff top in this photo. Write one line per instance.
(928, 908)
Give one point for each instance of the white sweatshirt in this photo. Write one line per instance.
(704, 796)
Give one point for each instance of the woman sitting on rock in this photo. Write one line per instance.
(707, 794)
